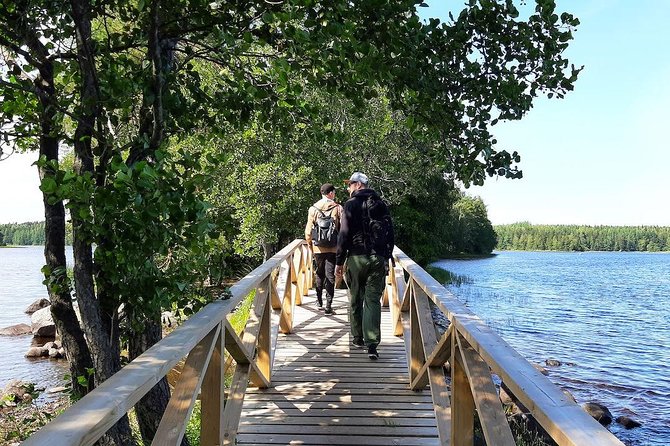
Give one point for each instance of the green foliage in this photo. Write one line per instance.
(527, 237)
(473, 230)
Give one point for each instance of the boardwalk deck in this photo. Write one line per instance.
(326, 392)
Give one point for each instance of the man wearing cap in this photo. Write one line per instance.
(366, 266)
(324, 256)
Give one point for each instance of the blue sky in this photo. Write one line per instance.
(597, 157)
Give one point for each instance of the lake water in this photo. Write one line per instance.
(608, 313)
(21, 285)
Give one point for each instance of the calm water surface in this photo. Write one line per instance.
(608, 313)
(21, 285)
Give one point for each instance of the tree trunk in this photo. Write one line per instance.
(103, 343)
(58, 287)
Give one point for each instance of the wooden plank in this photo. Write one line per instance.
(433, 374)
(264, 352)
(212, 396)
(491, 414)
(342, 421)
(318, 404)
(288, 301)
(462, 404)
(399, 290)
(339, 430)
(173, 424)
(417, 356)
(239, 352)
(301, 413)
(274, 294)
(234, 403)
(335, 440)
(296, 285)
(341, 397)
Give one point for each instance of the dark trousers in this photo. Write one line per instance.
(366, 279)
(325, 277)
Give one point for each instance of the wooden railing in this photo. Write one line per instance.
(279, 285)
(473, 352)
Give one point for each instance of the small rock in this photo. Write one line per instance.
(599, 412)
(37, 305)
(42, 323)
(58, 344)
(34, 352)
(53, 353)
(49, 345)
(628, 423)
(16, 330)
(553, 362)
(61, 352)
(57, 389)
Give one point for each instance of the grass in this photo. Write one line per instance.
(447, 277)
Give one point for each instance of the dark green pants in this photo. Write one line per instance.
(366, 278)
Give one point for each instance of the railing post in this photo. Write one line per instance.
(287, 300)
(264, 349)
(462, 403)
(416, 352)
(212, 397)
(296, 285)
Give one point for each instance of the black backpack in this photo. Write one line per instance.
(324, 231)
(378, 227)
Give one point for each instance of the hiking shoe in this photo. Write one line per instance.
(329, 311)
(319, 305)
(372, 352)
(358, 343)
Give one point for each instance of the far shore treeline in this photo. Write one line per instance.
(528, 237)
(456, 223)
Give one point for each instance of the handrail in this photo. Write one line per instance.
(471, 348)
(202, 339)
(474, 351)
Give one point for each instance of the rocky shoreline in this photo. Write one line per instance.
(20, 412)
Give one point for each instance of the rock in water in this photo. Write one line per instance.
(599, 412)
(16, 330)
(628, 423)
(37, 305)
(42, 323)
(34, 352)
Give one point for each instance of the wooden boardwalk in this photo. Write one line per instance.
(327, 392)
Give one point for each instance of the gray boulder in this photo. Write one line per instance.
(35, 352)
(16, 330)
(599, 412)
(37, 305)
(42, 324)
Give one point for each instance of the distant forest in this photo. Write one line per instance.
(527, 237)
(31, 233)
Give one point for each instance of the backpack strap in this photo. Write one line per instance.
(323, 211)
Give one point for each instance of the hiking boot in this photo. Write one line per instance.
(372, 352)
(329, 310)
(319, 304)
(358, 343)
